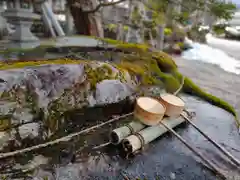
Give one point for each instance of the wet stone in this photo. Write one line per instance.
(30, 130)
(111, 91)
(23, 116)
(4, 138)
(165, 155)
(46, 93)
(166, 158)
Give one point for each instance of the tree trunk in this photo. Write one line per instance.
(81, 20)
(85, 23)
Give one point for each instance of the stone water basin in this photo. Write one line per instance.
(51, 48)
(165, 158)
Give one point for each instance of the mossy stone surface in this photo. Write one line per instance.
(150, 67)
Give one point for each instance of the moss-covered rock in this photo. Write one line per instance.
(51, 88)
(166, 71)
(191, 88)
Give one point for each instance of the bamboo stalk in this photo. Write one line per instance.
(189, 146)
(218, 146)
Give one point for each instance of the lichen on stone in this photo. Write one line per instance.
(48, 89)
(162, 66)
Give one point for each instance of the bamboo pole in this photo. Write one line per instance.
(218, 146)
(48, 22)
(54, 21)
(138, 140)
(117, 135)
(213, 167)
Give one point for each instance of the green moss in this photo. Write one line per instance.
(132, 68)
(191, 88)
(152, 68)
(133, 47)
(5, 122)
(171, 83)
(165, 62)
(96, 75)
(112, 27)
(148, 68)
(141, 71)
(161, 60)
(181, 45)
(17, 65)
(125, 28)
(167, 31)
(110, 41)
(105, 68)
(129, 47)
(164, 70)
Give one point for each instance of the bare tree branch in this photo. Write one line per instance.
(104, 5)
